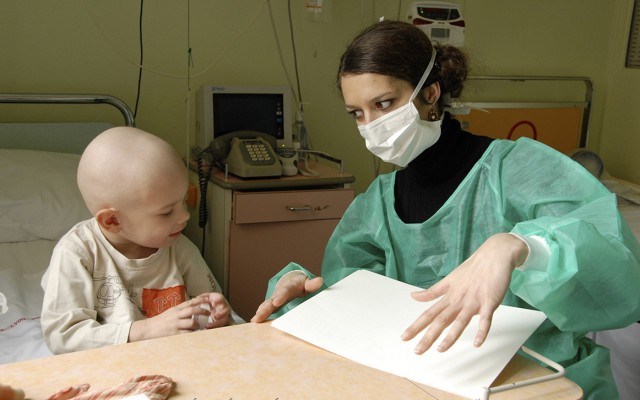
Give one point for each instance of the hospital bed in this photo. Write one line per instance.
(39, 202)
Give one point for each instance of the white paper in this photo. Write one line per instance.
(362, 317)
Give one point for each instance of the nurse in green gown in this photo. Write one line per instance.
(476, 222)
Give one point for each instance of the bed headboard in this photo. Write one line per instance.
(64, 137)
(553, 110)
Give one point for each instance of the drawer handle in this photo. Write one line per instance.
(299, 208)
(306, 208)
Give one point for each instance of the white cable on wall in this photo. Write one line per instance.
(284, 67)
(155, 71)
(188, 75)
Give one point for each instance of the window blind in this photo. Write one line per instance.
(633, 46)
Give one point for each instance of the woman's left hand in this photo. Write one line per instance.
(477, 286)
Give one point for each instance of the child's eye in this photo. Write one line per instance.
(381, 105)
(166, 214)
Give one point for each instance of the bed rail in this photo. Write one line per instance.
(71, 99)
(559, 105)
(585, 104)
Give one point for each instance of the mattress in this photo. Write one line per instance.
(22, 265)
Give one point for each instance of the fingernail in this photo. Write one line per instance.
(409, 333)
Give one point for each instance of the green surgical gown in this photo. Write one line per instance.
(592, 279)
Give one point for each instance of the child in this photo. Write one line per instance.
(128, 274)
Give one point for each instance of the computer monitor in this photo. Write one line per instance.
(224, 109)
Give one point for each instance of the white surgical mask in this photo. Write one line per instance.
(401, 135)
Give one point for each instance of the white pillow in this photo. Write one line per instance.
(39, 196)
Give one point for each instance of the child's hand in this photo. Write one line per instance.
(220, 310)
(178, 319)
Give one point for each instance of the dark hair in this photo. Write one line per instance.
(403, 51)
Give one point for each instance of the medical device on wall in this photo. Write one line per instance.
(225, 109)
(318, 10)
(441, 20)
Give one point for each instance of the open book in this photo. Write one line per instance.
(362, 317)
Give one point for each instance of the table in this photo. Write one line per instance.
(249, 361)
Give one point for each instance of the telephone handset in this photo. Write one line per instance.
(247, 154)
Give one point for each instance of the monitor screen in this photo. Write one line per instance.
(261, 112)
(226, 109)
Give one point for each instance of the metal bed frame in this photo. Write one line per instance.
(71, 99)
(585, 104)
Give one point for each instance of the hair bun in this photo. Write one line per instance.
(453, 69)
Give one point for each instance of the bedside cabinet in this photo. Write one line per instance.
(256, 227)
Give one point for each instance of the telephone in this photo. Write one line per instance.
(247, 154)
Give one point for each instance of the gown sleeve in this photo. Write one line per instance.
(592, 279)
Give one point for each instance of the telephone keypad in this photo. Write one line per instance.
(256, 152)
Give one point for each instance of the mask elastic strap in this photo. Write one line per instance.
(424, 76)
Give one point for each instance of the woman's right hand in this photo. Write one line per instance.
(292, 285)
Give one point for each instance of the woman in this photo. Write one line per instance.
(477, 221)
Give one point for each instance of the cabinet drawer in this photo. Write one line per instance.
(299, 205)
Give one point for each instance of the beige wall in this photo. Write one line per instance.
(92, 47)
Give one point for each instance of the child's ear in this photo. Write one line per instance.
(108, 219)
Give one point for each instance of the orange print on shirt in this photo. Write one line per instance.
(156, 301)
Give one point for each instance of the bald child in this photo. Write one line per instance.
(128, 274)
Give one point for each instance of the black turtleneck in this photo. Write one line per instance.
(428, 181)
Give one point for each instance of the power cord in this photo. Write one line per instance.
(203, 180)
(135, 112)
